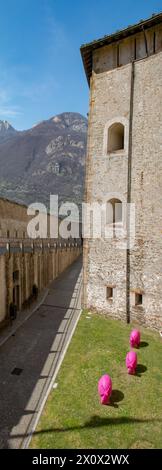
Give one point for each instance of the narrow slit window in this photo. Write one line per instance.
(109, 292)
(138, 299)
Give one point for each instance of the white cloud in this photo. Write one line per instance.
(9, 113)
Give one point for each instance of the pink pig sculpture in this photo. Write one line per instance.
(131, 362)
(135, 339)
(105, 388)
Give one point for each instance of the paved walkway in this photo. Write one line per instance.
(30, 357)
(22, 317)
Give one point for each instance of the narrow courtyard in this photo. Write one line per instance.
(30, 357)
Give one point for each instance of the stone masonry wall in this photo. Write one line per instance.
(13, 219)
(106, 177)
(146, 256)
(104, 263)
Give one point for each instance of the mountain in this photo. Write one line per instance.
(6, 130)
(47, 159)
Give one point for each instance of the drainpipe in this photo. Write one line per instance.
(128, 252)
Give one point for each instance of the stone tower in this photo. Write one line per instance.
(124, 172)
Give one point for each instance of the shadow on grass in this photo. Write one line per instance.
(115, 398)
(140, 369)
(143, 344)
(94, 422)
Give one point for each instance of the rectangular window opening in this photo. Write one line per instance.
(109, 292)
(138, 299)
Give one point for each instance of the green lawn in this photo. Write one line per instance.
(73, 416)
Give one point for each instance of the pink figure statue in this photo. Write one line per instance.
(105, 389)
(135, 339)
(131, 362)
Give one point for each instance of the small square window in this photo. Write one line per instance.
(109, 292)
(138, 299)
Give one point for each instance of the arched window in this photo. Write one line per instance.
(114, 212)
(115, 137)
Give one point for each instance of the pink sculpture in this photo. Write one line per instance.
(131, 362)
(105, 389)
(135, 339)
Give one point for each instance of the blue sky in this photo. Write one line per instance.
(41, 72)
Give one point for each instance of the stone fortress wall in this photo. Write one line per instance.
(13, 219)
(27, 265)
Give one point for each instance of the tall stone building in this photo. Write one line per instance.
(124, 166)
